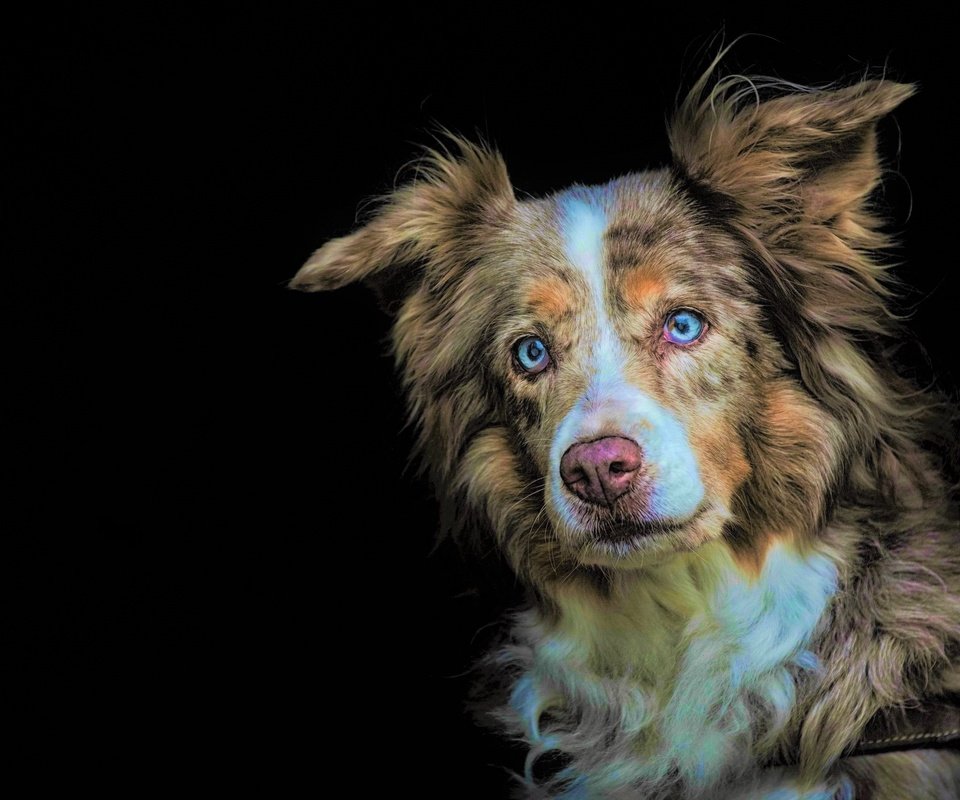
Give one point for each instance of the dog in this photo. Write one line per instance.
(673, 401)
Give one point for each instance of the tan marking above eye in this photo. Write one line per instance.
(550, 298)
(639, 287)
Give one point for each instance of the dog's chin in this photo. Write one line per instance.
(638, 544)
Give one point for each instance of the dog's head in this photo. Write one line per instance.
(618, 372)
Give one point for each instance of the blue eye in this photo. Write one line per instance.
(532, 354)
(684, 326)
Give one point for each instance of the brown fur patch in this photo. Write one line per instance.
(640, 287)
(550, 299)
(750, 552)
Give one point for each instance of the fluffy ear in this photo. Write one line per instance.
(420, 222)
(810, 154)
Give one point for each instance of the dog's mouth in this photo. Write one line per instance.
(616, 542)
(621, 531)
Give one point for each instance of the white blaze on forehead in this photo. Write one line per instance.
(584, 225)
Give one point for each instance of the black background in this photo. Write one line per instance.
(223, 568)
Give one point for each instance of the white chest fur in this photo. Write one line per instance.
(673, 681)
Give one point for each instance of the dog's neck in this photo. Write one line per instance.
(641, 621)
(682, 665)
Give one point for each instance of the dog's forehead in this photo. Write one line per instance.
(633, 234)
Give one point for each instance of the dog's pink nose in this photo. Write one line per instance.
(602, 470)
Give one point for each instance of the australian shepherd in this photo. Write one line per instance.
(672, 400)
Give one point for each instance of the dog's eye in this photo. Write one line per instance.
(684, 326)
(531, 354)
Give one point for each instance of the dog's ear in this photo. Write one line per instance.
(418, 226)
(804, 156)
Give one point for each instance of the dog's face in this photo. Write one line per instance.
(624, 348)
(615, 373)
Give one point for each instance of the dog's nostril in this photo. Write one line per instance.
(576, 474)
(602, 470)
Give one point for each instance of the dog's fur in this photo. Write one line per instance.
(788, 563)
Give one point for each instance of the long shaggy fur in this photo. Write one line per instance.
(823, 585)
